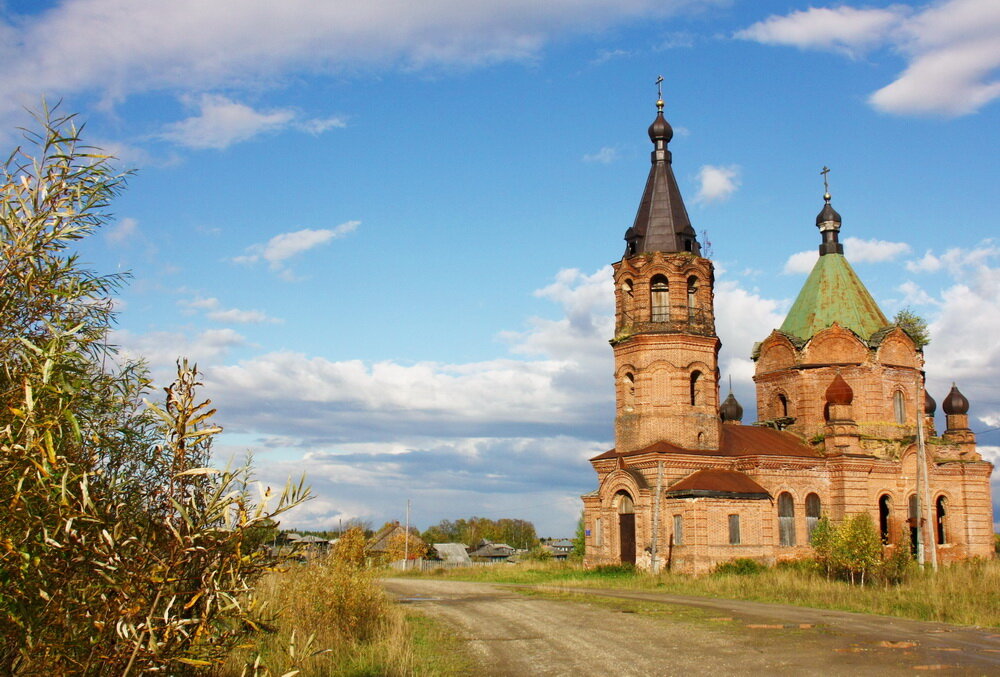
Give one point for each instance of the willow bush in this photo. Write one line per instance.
(120, 551)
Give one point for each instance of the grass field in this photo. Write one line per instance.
(963, 594)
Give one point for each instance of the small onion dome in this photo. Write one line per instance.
(955, 402)
(731, 410)
(839, 392)
(660, 129)
(930, 406)
(828, 214)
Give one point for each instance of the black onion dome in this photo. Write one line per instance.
(930, 406)
(731, 410)
(660, 129)
(839, 391)
(955, 402)
(827, 214)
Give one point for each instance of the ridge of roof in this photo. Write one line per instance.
(736, 440)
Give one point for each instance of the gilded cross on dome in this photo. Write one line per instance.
(826, 184)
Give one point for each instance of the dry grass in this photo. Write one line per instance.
(328, 617)
(964, 594)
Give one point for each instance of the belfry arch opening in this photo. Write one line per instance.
(659, 299)
(692, 297)
(695, 387)
(626, 527)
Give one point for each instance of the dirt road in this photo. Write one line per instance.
(611, 632)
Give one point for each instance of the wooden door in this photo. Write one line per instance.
(626, 538)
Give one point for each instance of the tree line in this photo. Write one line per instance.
(516, 533)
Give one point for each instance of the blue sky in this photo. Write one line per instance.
(383, 231)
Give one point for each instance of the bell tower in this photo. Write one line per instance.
(665, 345)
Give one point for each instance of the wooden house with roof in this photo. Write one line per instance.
(841, 410)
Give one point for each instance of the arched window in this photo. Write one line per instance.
(914, 523)
(884, 511)
(813, 509)
(782, 405)
(659, 299)
(940, 510)
(627, 287)
(899, 407)
(695, 377)
(786, 519)
(692, 297)
(628, 386)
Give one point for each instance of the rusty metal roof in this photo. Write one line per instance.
(716, 483)
(833, 293)
(662, 223)
(737, 440)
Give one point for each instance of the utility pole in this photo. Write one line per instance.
(656, 518)
(406, 540)
(922, 451)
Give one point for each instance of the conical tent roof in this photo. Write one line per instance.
(833, 293)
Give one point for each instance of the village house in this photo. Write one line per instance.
(390, 543)
(487, 551)
(841, 407)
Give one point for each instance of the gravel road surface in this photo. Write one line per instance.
(511, 630)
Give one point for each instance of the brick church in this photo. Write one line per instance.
(841, 411)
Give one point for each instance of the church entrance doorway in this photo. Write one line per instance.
(626, 528)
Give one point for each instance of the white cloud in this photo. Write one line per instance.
(928, 264)
(952, 50)
(161, 349)
(157, 46)
(605, 156)
(605, 55)
(841, 28)
(914, 295)
(221, 122)
(800, 262)
(237, 316)
(742, 317)
(873, 251)
(122, 232)
(214, 311)
(280, 248)
(957, 261)
(963, 345)
(855, 249)
(717, 182)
